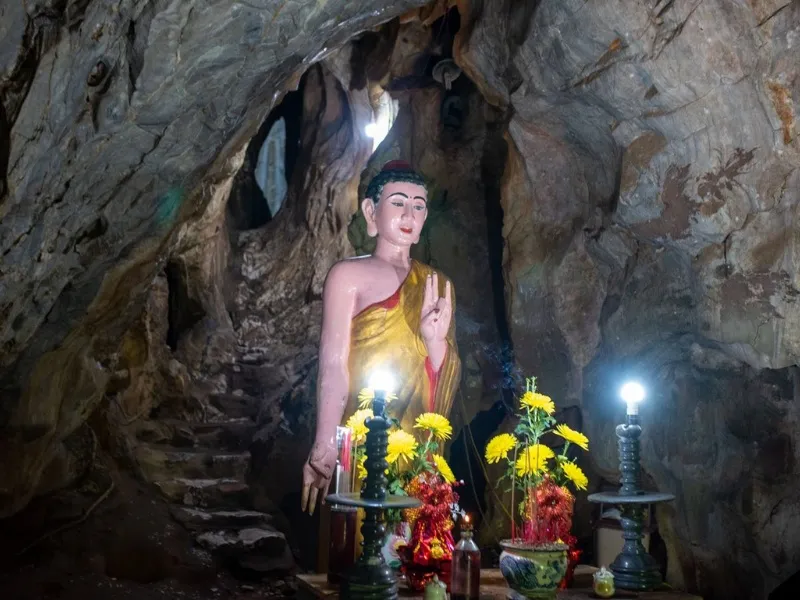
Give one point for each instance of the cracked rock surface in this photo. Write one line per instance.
(649, 197)
(121, 123)
(650, 201)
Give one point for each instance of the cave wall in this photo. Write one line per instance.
(650, 198)
(120, 124)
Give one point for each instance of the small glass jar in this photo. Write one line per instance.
(603, 584)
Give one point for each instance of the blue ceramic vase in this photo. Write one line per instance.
(533, 572)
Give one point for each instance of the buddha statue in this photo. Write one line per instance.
(387, 312)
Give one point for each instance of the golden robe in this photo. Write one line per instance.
(385, 336)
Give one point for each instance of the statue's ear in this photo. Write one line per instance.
(368, 208)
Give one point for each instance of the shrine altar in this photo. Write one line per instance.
(493, 587)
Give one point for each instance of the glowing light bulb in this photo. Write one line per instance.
(371, 130)
(381, 381)
(632, 393)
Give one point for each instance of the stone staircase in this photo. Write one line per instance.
(201, 468)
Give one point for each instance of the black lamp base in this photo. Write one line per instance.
(638, 572)
(372, 582)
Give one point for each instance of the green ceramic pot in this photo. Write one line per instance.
(533, 571)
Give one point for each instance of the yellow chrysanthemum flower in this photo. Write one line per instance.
(401, 445)
(572, 436)
(533, 459)
(535, 400)
(438, 425)
(499, 446)
(444, 469)
(574, 473)
(361, 469)
(357, 424)
(367, 395)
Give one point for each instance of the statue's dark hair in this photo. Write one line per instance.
(393, 171)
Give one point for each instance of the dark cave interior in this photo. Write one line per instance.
(612, 189)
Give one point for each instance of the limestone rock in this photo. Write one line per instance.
(651, 179)
(122, 123)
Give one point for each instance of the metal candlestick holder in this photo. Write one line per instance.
(634, 568)
(370, 578)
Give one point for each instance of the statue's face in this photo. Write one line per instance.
(400, 213)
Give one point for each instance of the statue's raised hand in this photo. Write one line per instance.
(317, 473)
(436, 312)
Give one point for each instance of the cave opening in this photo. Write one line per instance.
(260, 187)
(184, 311)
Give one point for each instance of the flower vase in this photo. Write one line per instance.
(533, 571)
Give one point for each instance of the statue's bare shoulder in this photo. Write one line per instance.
(368, 278)
(351, 271)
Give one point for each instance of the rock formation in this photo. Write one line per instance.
(122, 124)
(644, 156)
(648, 198)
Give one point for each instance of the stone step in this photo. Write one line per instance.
(159, 462)
(234, 434)
(230, 434)
(197, 519)
(206, 493)
(250, 541)
(235, 406)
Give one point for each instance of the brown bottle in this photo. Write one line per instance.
(465, 578)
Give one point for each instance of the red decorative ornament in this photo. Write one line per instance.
(573, 556)
(548, 514)
(430, 548)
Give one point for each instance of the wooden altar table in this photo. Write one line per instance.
(493, 587)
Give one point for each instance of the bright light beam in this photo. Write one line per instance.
(381, 381)
(632, 393)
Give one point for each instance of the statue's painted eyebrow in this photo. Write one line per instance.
(406, 197)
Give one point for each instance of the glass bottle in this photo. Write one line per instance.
(342, 536)
(465, 578)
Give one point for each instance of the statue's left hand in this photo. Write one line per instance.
(436, 311)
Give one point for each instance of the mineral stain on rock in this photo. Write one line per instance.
(678, 207)
(782, 101)
(712, 186)
(638, 156)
